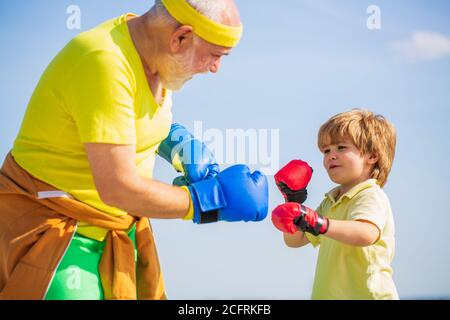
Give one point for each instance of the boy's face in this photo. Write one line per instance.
(346, 165)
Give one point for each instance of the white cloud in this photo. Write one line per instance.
(424, 45)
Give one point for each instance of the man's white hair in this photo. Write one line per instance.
(212, 9)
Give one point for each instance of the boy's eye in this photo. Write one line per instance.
(326, 151)
(342, 147)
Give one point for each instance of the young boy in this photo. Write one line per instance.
(353, 225)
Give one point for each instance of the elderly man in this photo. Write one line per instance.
(76, 191)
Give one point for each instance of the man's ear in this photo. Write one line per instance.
(181, 39)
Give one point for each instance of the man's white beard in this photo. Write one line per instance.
(178, 71)
(174, 85)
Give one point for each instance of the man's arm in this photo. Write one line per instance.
(119, 184)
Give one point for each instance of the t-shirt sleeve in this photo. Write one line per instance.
(100, 99)
(369, 206)
(314, 240)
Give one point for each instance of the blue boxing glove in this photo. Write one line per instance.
(235, 194)
(188, 155)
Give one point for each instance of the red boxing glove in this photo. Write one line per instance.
(284, 215)
(291, 217)
(293, 179)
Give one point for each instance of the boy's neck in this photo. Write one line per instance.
(344, 188)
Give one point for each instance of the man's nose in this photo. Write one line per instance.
(215, 67)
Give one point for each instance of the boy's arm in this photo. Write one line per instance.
(291, 217)
(366, 218)
(295, 240)
(356, 233)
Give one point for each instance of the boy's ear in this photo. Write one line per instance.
(373, 158)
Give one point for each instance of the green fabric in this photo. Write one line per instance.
(77, 276)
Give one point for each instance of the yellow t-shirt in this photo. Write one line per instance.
(94, 91)
(350, 272)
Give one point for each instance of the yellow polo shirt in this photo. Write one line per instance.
(94, 91)
(350, 272)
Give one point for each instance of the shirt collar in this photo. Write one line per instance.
(352, 192)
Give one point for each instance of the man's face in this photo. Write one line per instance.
(201, 57)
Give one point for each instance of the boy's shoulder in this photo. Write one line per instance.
(368, 188)
(371, 189)
(372, 196)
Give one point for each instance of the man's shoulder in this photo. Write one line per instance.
(107, 37)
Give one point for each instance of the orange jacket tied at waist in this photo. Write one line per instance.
(35, 233)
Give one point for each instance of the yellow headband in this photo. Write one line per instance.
(204, 27)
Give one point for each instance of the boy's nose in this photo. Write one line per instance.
(332, 156)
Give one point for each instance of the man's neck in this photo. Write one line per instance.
(146, 44)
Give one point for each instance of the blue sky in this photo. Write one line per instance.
(299, 63)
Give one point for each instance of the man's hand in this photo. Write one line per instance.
(235, 194)
(291, 216)
(293, 179)
(196, 160)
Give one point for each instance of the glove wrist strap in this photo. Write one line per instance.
(321, 226)
(290, 195)
(207, 200)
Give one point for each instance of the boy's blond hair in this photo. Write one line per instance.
(370, 133)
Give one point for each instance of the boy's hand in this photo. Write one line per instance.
(293, 179)
(291, 217)
(283, 217)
